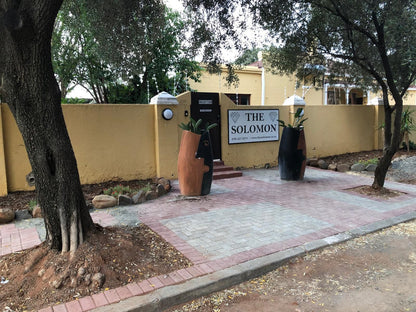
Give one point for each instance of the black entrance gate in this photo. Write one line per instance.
(207, 107)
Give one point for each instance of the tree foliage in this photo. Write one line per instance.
(364, 41)
(124, 51)
(248, 57)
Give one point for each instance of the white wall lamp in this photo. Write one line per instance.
(167, 114)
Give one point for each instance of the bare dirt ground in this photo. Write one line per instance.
(342, 276)
(111, 257)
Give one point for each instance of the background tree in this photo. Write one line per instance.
(130, 57)
(248, 57)
(369, 40)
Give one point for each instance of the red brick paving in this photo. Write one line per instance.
(302, 197)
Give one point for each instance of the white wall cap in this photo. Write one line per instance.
(376, 101)
(164, 98)
(294, 100)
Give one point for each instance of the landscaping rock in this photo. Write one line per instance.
(37, 212)
(343, 167)
(81, 271)
(358, 167)
(22, 215)
(6, 215)
(150, 195)
(124, 200)
(139, 197)
(322, 164)
(332, 167)
(98, 279)
(166, 183)
(104, 201)
(312, 162)
(160, 190)
(371, 167)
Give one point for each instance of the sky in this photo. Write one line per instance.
(174, 4)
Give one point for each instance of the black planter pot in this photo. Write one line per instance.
(205, 151)
(292, 154)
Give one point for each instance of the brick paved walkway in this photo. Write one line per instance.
(242, 219)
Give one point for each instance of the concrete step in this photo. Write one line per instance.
(226, 174)
(218, 162)
(218, 168)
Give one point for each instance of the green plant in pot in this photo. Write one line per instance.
(292, 149)
(195, 159)
(195, 126)
(298, 122)
(408, 125)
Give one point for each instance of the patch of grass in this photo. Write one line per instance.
(372, 161)
(32, 204)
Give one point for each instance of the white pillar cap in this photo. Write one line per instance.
(164, 98)
(294, 100)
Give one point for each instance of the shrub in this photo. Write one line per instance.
(372, 161)
(117, 190)
(32, 203)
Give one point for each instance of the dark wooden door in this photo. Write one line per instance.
(207, 107)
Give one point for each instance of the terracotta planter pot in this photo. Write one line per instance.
(292, 154)
(190, 168)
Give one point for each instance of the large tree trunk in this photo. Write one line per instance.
(391, 140)
(32, 93)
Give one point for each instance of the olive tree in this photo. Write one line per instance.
(371, 42)
(29, 87)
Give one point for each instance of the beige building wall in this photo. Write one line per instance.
(250, 83)
(313, 96)
(410, 97)
(277, 88)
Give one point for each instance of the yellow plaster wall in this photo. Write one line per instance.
(17, 162)
(133, 141)
(337, 129)
(410, 98)
(3, 178)
(112, 141)
(167, 141)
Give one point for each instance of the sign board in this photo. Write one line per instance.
(253, 125)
